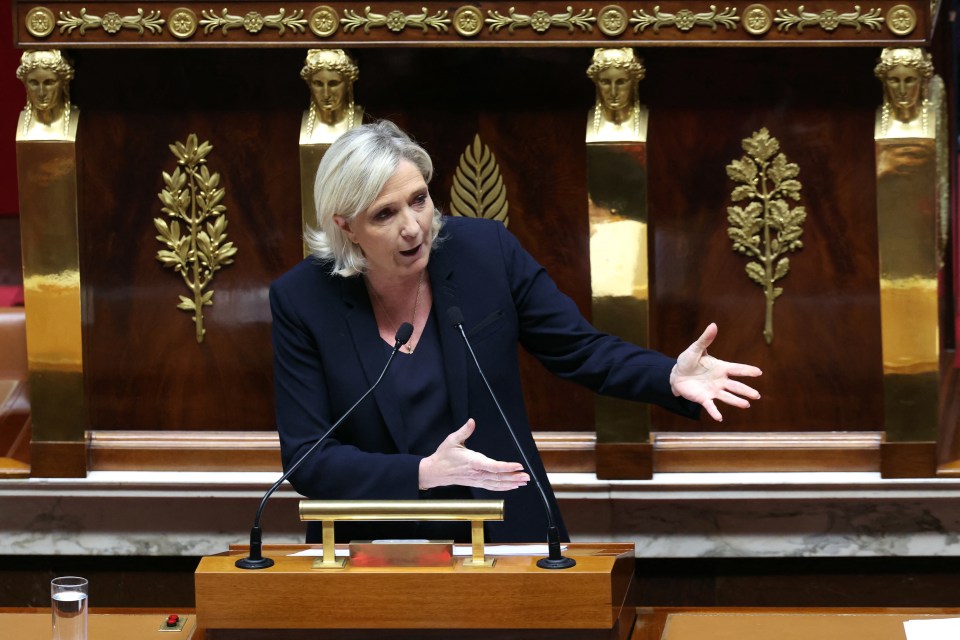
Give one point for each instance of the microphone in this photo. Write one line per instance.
(256, 560)
(555, 559)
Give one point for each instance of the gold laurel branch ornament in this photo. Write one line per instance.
(478, 190)
(111, 22)
(193, 196)
(828, 20)
(767, 228)
(685, 20)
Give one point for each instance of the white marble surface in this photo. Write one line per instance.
(670, 516)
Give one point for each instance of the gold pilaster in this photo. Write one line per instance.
(616, 152)
(47, 184)
(907, 135)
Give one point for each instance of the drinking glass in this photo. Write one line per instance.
(68, 600)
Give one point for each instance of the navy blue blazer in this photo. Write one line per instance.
(328, 352)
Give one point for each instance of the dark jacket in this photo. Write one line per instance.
(328, 352)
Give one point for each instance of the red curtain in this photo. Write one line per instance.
(12, 99)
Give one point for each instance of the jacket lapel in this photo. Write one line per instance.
(370, 350)
(445, 296)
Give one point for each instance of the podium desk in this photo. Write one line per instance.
(512, 599)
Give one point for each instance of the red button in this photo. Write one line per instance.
(172, 620)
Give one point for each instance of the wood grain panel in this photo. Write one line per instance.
(822, 371)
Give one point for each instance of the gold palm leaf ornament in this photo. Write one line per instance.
(478, 190)
(192, 196)
(766, 228)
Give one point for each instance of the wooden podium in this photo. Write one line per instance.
(512, 599)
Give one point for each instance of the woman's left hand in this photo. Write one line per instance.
(701, 378)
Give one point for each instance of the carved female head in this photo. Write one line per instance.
(616, 73)
(46, 76)
(330, 74)
(905, 73)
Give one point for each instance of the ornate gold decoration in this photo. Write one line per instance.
(684, 20)
(541, 21)
(39, 22)
(253, 22)
(395, 21)
(468, 21)
(828, 20)
(612, 20)
(111, 22)
(324, 21)
(757, 19)
(901, 20)
(478, 190)
(182, 23)
(767, 228)
(193, 196)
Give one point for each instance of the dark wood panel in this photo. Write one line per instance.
(144, 368)
(822, 371)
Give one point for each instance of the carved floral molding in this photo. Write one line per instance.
(347, 22)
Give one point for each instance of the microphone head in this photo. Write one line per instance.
(455, 316)
(404, 333)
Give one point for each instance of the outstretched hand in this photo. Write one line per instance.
(453, 463)
(701, 378)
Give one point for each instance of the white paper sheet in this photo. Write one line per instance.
(932, 629)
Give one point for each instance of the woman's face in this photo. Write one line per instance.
(44, 89)
(614, 85)
(394, 231)
(328, 90)
(902, 86)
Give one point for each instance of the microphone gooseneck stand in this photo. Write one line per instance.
(555, 558)
(256, 560)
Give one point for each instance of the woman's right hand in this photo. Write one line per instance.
(452, 463)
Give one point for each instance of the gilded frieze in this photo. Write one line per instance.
(541, 21)
(254, 22)
(194, 197)
(395, 20)
(111, 22)
(685, 20)
(302, 22)
(828, 19)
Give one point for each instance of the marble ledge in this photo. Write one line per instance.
(671, 516)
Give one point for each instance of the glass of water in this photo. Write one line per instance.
(68, 599)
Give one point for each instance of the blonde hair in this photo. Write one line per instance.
(351, 175)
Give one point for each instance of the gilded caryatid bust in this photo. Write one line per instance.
(617, 115)
(46, 74)
(906, 112)
(330, 74)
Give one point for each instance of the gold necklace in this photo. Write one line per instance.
(416, 304)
